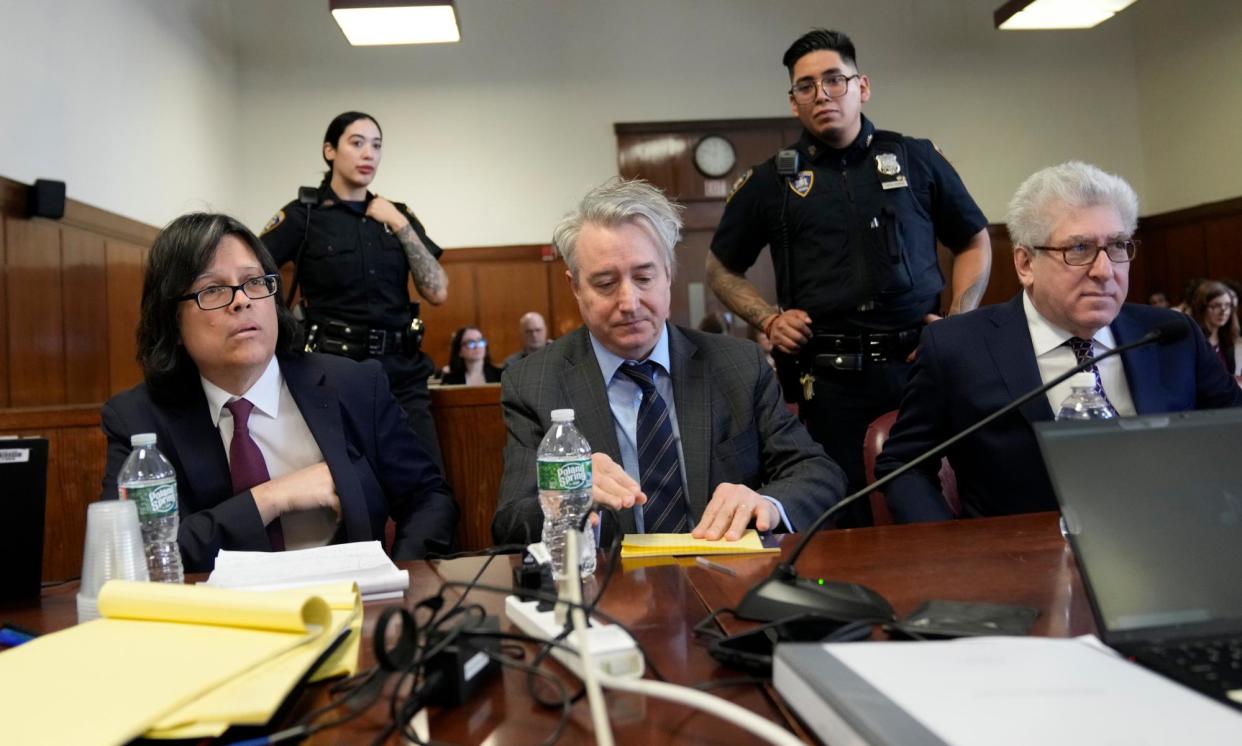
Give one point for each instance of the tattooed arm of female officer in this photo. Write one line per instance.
(429, 276)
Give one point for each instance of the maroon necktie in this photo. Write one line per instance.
(246, 464)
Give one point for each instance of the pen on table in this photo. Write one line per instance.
(705, 562)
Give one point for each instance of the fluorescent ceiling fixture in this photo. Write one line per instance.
(1027, 15)
(375, 22)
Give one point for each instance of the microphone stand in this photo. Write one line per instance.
(784, 594)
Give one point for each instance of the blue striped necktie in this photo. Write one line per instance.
(665, 510)
(1083, 349)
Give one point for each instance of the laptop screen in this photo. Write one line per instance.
(1153, 506)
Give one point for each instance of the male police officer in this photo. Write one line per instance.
(852, 215)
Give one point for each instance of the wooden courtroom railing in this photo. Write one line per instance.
(472, 438)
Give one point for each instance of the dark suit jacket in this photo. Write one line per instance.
(733, 424)
(380, 467)
(971, 365)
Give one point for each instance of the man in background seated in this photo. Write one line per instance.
(274, 448)
(1071, 227)
(689, 430)
(534, 337)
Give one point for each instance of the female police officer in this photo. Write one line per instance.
(352, 252)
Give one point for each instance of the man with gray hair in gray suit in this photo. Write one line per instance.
(688, 429)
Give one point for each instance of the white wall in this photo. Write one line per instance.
(153, 107)
(1190, 85)
(130, 102)
(492, 140)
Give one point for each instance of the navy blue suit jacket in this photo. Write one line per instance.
(379, 465)
(971, 365)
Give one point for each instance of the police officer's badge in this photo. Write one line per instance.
(886, 164)
(741, 182)
(276, 220)
(801, 184)
(889, 169)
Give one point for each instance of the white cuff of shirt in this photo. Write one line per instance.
(780, 509)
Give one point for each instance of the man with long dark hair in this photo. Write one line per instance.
(274, 448)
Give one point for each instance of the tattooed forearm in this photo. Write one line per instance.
(429, 276)
(736, 292)
(971, 268)
(969, 298)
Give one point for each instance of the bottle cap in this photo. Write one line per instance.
(1082, 380)
(142, 439)
(562, 415)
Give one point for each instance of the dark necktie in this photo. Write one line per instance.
(246, 464)
(665, 511)
(1083, 349)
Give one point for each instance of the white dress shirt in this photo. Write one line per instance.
(1055, 358)
(277, 427)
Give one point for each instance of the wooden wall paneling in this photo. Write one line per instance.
(1184, 254)
(506, 291)
(85, 296)
(75, 472)
(123, 275)
(650, 156)
(35, 313)
(460, 309)
(1151, 266)
(565, 316)
(1223, 248)
(4, 305)
(472, 437)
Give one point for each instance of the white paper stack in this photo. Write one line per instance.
(363, 562)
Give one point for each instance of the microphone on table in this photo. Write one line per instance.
(783, 594)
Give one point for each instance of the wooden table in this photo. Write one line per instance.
(1019, 560)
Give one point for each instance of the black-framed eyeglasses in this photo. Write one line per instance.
(219, 296)
(834, 86)
(1119, 251)
(474, 344)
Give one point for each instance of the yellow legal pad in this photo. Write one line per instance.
(672, 545)
(174, 661)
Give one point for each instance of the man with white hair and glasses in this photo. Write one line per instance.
(1072, 229)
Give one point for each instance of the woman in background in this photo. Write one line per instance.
(353, 254)
(1213, 306)
(469, 361)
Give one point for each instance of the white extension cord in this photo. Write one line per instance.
(613, 658)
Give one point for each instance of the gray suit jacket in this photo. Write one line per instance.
(734, 428)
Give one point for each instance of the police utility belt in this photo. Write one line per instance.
(361, 342)
(852, 352)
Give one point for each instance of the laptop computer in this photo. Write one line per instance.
(23, 474)
(1153, 510)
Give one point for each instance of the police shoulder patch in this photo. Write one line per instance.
(802, 183)
(741, 182)
(276, 220)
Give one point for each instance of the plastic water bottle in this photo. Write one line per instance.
(1084, 402)
(563, 463)
(149, 481)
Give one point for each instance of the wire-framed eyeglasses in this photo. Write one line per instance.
(834, 86)
(219, 296)
(1119, 251)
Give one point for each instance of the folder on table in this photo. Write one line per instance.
(674, 545)
(175, 661)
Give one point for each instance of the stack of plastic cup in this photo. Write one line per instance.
(113, 551)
